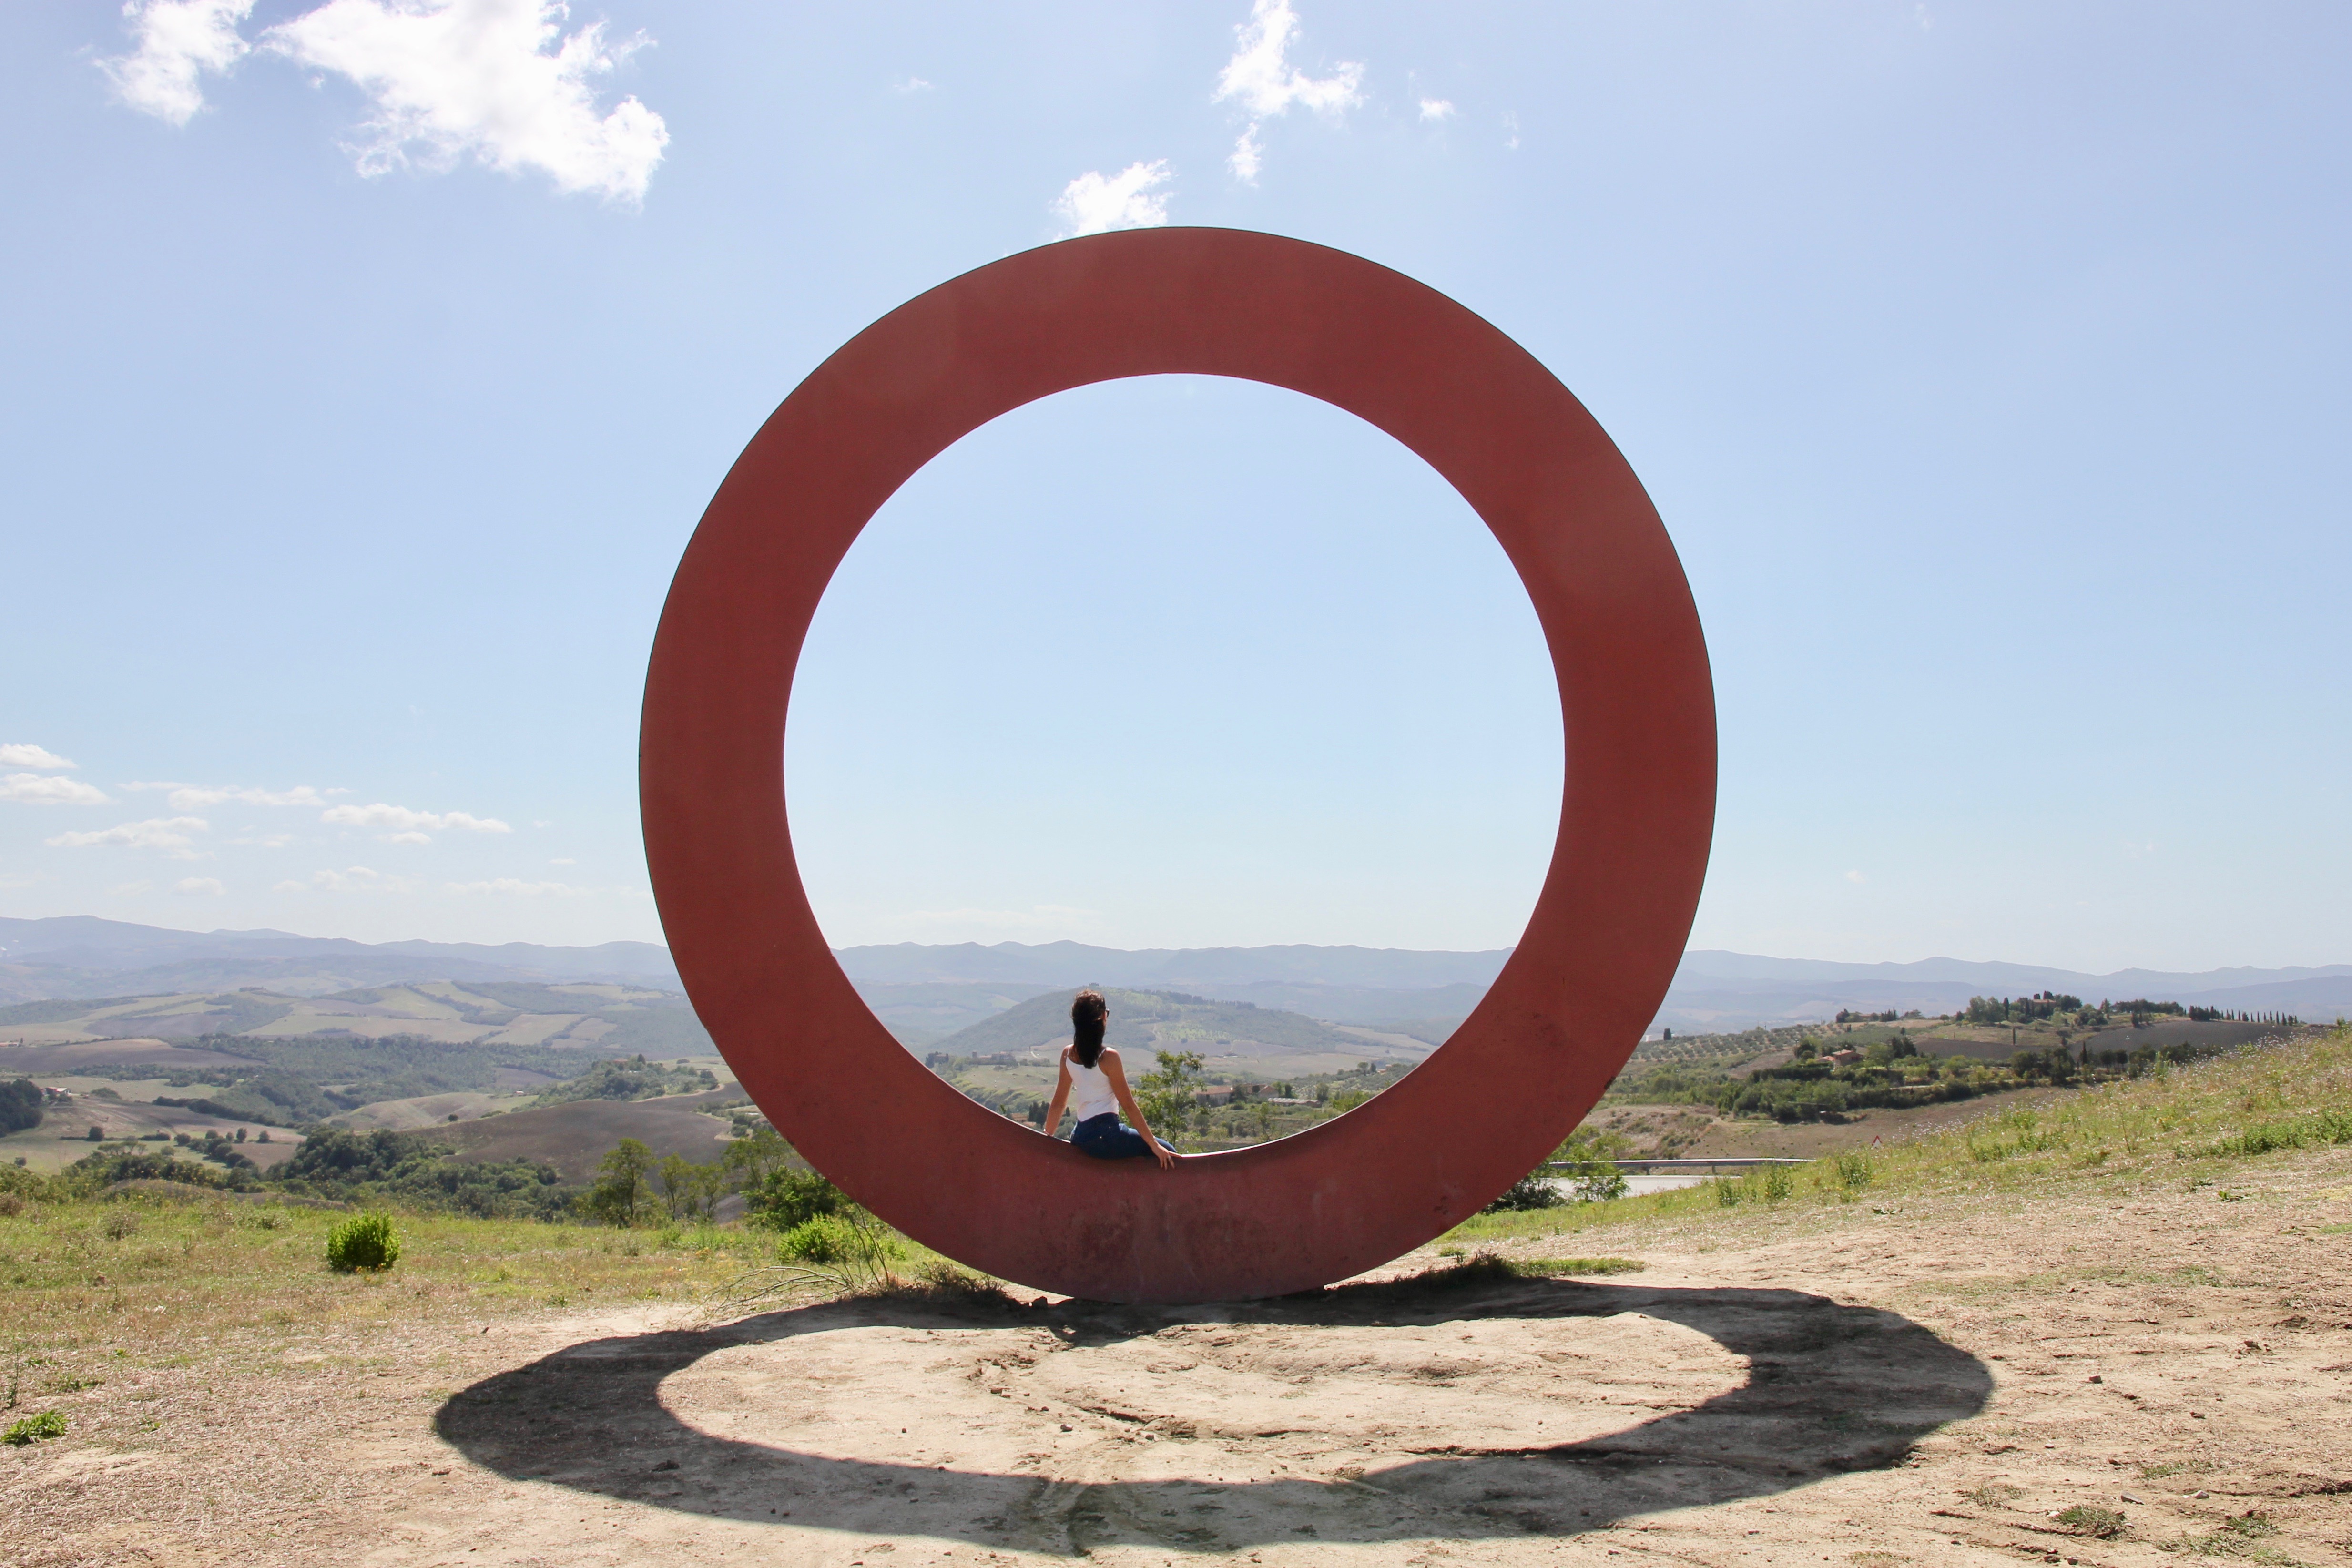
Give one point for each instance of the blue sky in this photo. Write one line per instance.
(371, 364)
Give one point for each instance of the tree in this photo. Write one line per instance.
(620, 1183)
(1168, 1094)
(752, 1158)
(1591, 1159)
(691, 1191)
(788, 1197)
(20, 1105)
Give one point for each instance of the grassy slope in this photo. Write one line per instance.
(2094, 1146)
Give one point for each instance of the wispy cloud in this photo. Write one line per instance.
(36, 789)
(1261, 78)
(32, 757)
(197, 797)
(411, 826)
(1091, 204)
(516, 888)
(1436, 108)
(1856, 878)
(178, 40)
(1247, 157)
(912, 84)
(496, 80)
(198, 886)
(169, 834)
(351, 879)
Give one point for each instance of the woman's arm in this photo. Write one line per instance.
(1061, 1099)
(1117, 1075)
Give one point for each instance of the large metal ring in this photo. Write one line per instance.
(1637, 807)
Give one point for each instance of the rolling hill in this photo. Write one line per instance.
(609, 1020)
(1144, 1021)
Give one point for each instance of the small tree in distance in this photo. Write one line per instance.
(620, 1183)
(1168, 1094)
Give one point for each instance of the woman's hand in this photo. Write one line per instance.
(1118, 1075)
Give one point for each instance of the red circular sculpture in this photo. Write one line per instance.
(1636, 812)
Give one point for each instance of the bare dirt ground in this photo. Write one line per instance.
(1932, 1385)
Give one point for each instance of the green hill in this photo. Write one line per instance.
(1157, 1020)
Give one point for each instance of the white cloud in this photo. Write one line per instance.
(410, 826)
(179, 40)
(1436, 108)
(408, 838)
(497, 80)
(1267, 84)
(198, 886)
(195, 797)
(1856, 877)
(32, 789)
(1247, 157)
(32, 757)
(1511, 131)
(351, 879)
(267, 841)
(1262, 78)
(169, 834)
(563, 861)
(912, 84)
(516, 886)
(1091, 204)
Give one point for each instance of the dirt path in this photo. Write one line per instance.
(1928, 1386)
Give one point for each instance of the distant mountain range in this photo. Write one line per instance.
(925, 992)
(80, 956)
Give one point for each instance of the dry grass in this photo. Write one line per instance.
(2185, 1127)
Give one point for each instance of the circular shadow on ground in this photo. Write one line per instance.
(1830, 1389)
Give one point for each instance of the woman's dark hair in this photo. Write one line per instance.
(1087, 1011)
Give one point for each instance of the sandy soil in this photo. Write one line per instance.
(1928, 1386)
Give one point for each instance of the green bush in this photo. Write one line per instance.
(364, 1241)
(1848, 1173)
(787, 1198)
(829, 1239)
(33, 1428)
(1529, 1191)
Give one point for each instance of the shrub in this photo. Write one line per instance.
(2105, 1524)
(789, 1198)
(1529, 1191)
(364, 1241)
(824, 1239)
(1848, 1173)
(33, 1428)
(1544, 1268)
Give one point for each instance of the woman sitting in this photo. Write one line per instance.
(1094, 1086)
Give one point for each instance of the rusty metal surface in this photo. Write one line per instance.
(1637, 813)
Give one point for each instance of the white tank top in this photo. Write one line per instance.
(1091, 1094)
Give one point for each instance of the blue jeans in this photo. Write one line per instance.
(1106, 1137)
